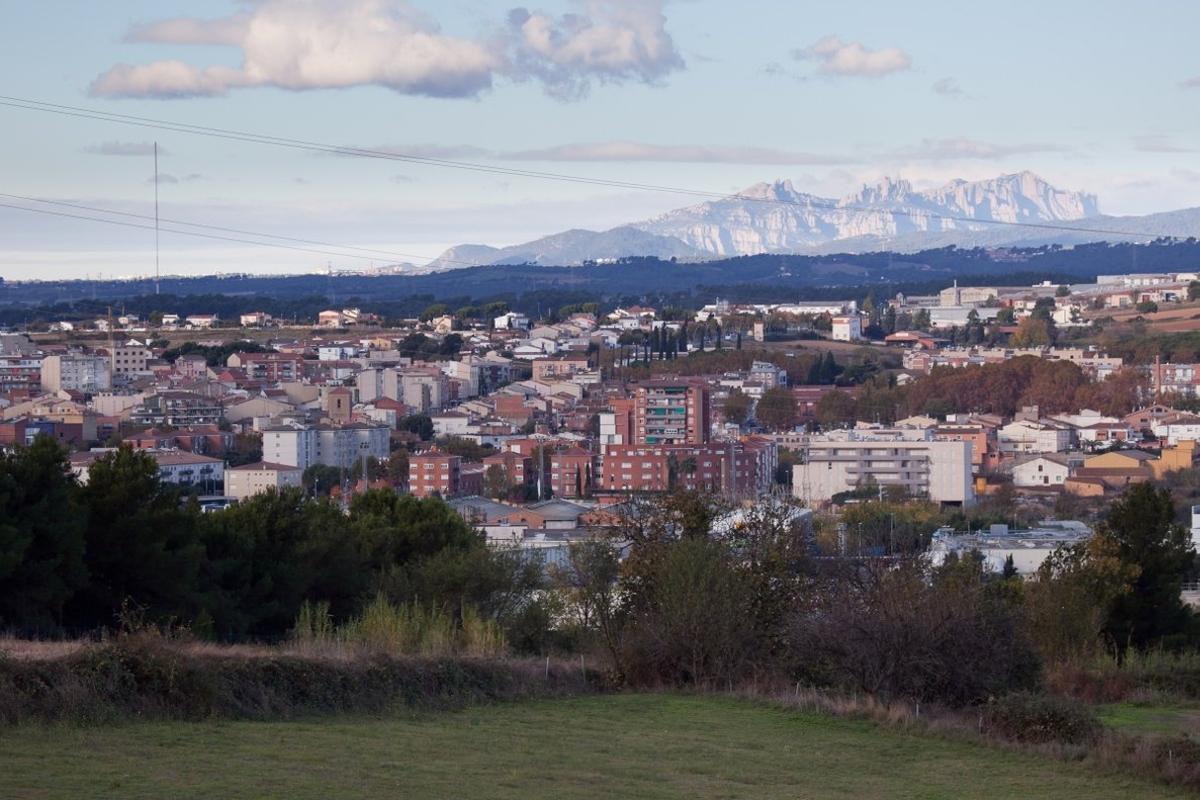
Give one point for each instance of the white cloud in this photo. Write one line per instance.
(165, 79)
(641, 151)
(117, 148)
(851, 59)
(311, 44)
(971, 150)
(327, 44)
(1191, 83)
(611, 41)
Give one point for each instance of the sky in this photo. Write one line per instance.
(1100, 96)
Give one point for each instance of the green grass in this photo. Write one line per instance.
(643, 746)
(1151, 719)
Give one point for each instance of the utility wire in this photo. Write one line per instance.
(300, 144)
(81, 207)
(186, 233)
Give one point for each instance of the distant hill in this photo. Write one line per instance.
(569, 247)
(889, 216)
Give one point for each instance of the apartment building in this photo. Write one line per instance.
(251, 479)
(174, 466)
(1033, 436)
(434, 472)
(909, 459)
(298, 445)
(77, 372)
(20, 373)
(666, 412)
(177, 409)
(733, 468)
(268, 367)
(570, 472)
(130, 359)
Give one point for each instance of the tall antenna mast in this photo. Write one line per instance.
(156, 276)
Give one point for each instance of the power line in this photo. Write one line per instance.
(196, 234)
(300, 144)
(79, 206)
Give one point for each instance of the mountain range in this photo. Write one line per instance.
(892, 215)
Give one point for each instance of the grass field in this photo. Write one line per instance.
(1152, 719)
(644, 746)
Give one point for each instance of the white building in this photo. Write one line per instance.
(174, 466)
(76, 372)
(296, 445)
(251, 479)
(1028, 548)
(202, 320)
(511, 321)
(847, 328)
(841, 461)
(1030, 436)
(336, 352)
(1050, 469)
(1177, 430)
(451, 423)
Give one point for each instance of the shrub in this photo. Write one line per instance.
(399, 629)
(1040, 718)
(904, 630)
(144, 678)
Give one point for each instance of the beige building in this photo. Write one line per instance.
(130, 359)
(251, 479)
(906, 458)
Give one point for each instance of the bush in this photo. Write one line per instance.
(1041, 718)
(146, 678)
(399, 629)
(903, 630)
(1105, 680)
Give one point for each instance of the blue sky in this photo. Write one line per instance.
(1095, 96)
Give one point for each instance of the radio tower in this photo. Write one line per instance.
(156, 276)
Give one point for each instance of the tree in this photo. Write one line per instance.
(1141, 524)
(420, 424)
(836, 409)
(141, 545)
(1194, 290)
(433, 311)
(777, 409)
(42, 533)
(467, 449)
(496, 482)
(268, 553)
(319, 479)
(1006, 316)
(900, 629)
(737, 406)
(1032, 331)
(247, 449)
(397, 467)
(1067, 599)
(589, 582)
(1147, 307)
(1063, 291)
